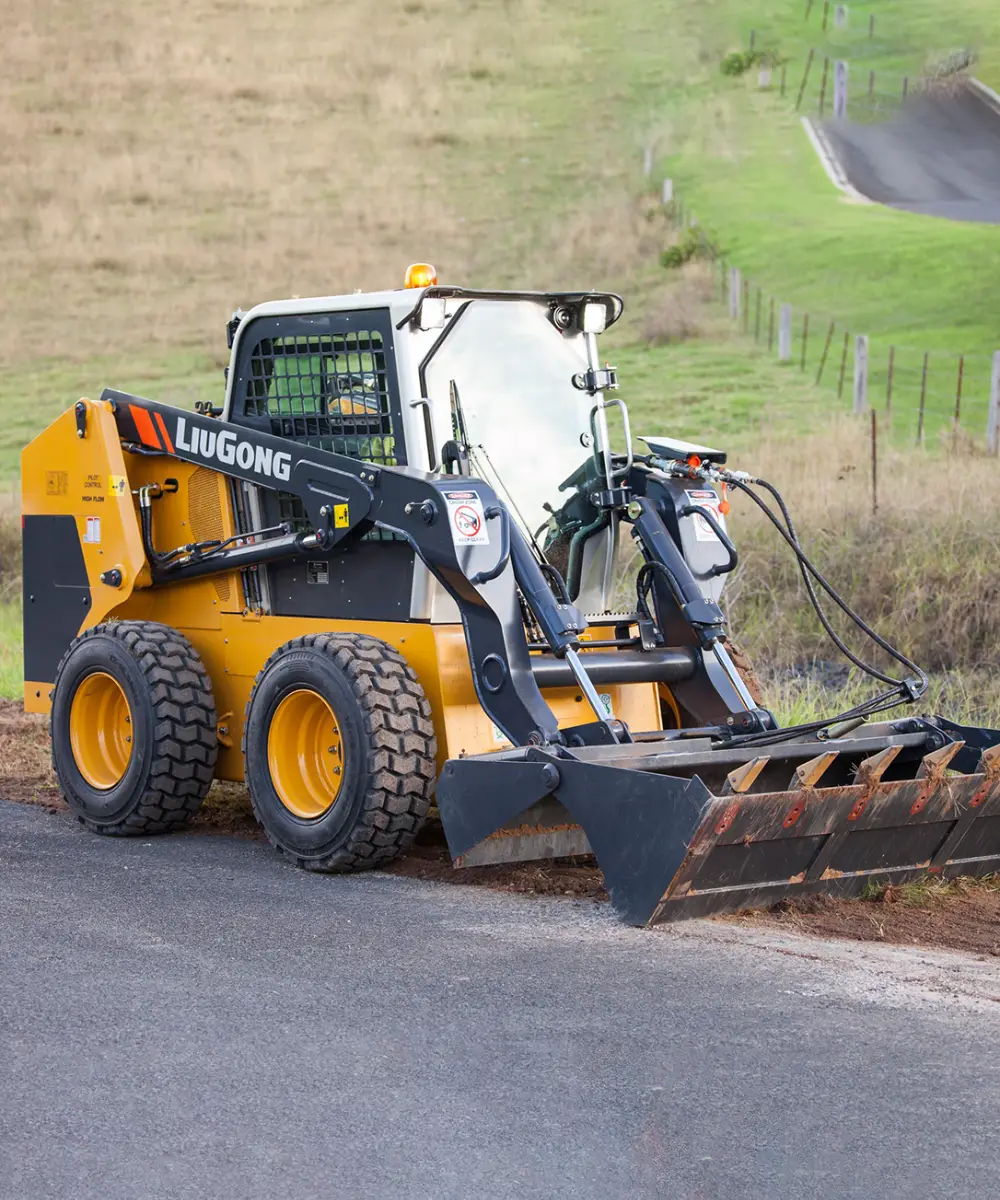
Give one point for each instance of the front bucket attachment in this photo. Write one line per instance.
(880, 808)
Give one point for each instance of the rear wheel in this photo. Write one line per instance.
(134, 738)
(340, 752)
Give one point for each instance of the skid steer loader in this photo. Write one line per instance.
(404, 556)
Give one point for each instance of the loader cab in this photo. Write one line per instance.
(395, 378)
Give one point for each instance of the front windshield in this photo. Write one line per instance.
(528, 429)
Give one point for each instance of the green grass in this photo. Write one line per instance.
(744, 167)
(11, 673)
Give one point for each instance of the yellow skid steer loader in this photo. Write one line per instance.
(401, 561)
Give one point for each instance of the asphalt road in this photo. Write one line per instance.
(939, 154)
(192, 1018)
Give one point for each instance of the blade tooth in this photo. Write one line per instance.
(936, 763)
(989, 763)
(808, 774)
(742, 779)
(871, 769)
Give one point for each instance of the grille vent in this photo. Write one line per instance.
(205, 518)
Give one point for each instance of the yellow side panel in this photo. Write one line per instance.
(66, 475)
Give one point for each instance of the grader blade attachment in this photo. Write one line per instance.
(681, 830)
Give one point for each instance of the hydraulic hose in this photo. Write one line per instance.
(574, 568)
(907, 690)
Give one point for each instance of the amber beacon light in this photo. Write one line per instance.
(420, 275)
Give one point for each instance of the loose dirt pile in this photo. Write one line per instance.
(961, 914)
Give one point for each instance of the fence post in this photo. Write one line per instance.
(840, 16)
(826, 351)
(871, 27)
(822, 86)
(746, 305)
(756, 328)
(805, 79)
(734, 293)
(906, 86)
(958, 391)
(805, 340)
(993, 419)
(840, 78)
(647, 161)
(770, 326)
(785, 334)
(826, 13)
(809, 8)
(668, 191)
(861, 373)
(874, 463)
(923, 402)
(843, 365)
(784, 78)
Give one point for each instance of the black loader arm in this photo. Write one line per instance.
(457, 526)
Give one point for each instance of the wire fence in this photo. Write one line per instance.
(925, 393)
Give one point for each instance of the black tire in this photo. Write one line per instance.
(172, 715)
(388, 757)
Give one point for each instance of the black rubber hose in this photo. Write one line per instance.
(807, 569)
(574, 568)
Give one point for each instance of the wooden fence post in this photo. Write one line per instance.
(993, 419)
(843, 365)
(874, 463)
(805, 79)
(861, 373)
(785, 334)
(805, 340)
(770, 326)
(923, 402)
(822, 86)
(958, 391)
(756, 330)
(746, 305)
(826, 13)
(826, 351)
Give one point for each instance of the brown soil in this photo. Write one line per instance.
(962, 914)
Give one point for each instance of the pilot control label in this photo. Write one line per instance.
(465, 517)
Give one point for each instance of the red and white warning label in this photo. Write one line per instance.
(710, 501)
(465, 516)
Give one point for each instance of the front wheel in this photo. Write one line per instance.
(134, 737)
(339, 751)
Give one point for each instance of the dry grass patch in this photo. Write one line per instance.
(923, 569)
(164, 162)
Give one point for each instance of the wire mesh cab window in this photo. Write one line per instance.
(328, 380)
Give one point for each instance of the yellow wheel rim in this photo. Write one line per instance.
(100, 730)
(305, 754)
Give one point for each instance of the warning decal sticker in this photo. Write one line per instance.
(710, 501)
(92, 531)
(465, 517)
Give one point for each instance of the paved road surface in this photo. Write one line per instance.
(191, 1018)
(938, 155)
